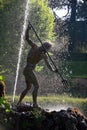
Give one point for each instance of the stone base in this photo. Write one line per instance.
(26, 117)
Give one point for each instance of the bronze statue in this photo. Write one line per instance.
(35, 55)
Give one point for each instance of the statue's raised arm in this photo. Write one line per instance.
(32, 44)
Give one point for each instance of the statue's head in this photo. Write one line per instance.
(45, 46)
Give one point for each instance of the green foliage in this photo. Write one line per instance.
(9, 20)
(11, 23)
(39, 68)
(4, 2)
(78, 57)
(77, 90)
(1, 77)
(42, 18)
(79, 68)
(4, 104)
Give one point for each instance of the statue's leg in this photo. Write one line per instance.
(35, 90)
(23, 94)
(34, 95)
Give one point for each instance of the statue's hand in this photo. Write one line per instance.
(29, 27)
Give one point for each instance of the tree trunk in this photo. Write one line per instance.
(73, 4)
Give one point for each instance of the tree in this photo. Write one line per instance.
(74, 22)
(42, 18)
(82, 10)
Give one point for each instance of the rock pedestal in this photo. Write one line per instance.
(26, 117)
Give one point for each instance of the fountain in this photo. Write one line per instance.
(21, 45)
(27, 117)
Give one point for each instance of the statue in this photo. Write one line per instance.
(35, 55)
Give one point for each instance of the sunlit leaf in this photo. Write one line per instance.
(1, 77)
(39, 68)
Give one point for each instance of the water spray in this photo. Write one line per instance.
(21, 46)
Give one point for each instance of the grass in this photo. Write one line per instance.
(81, 103)
(50, 98)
